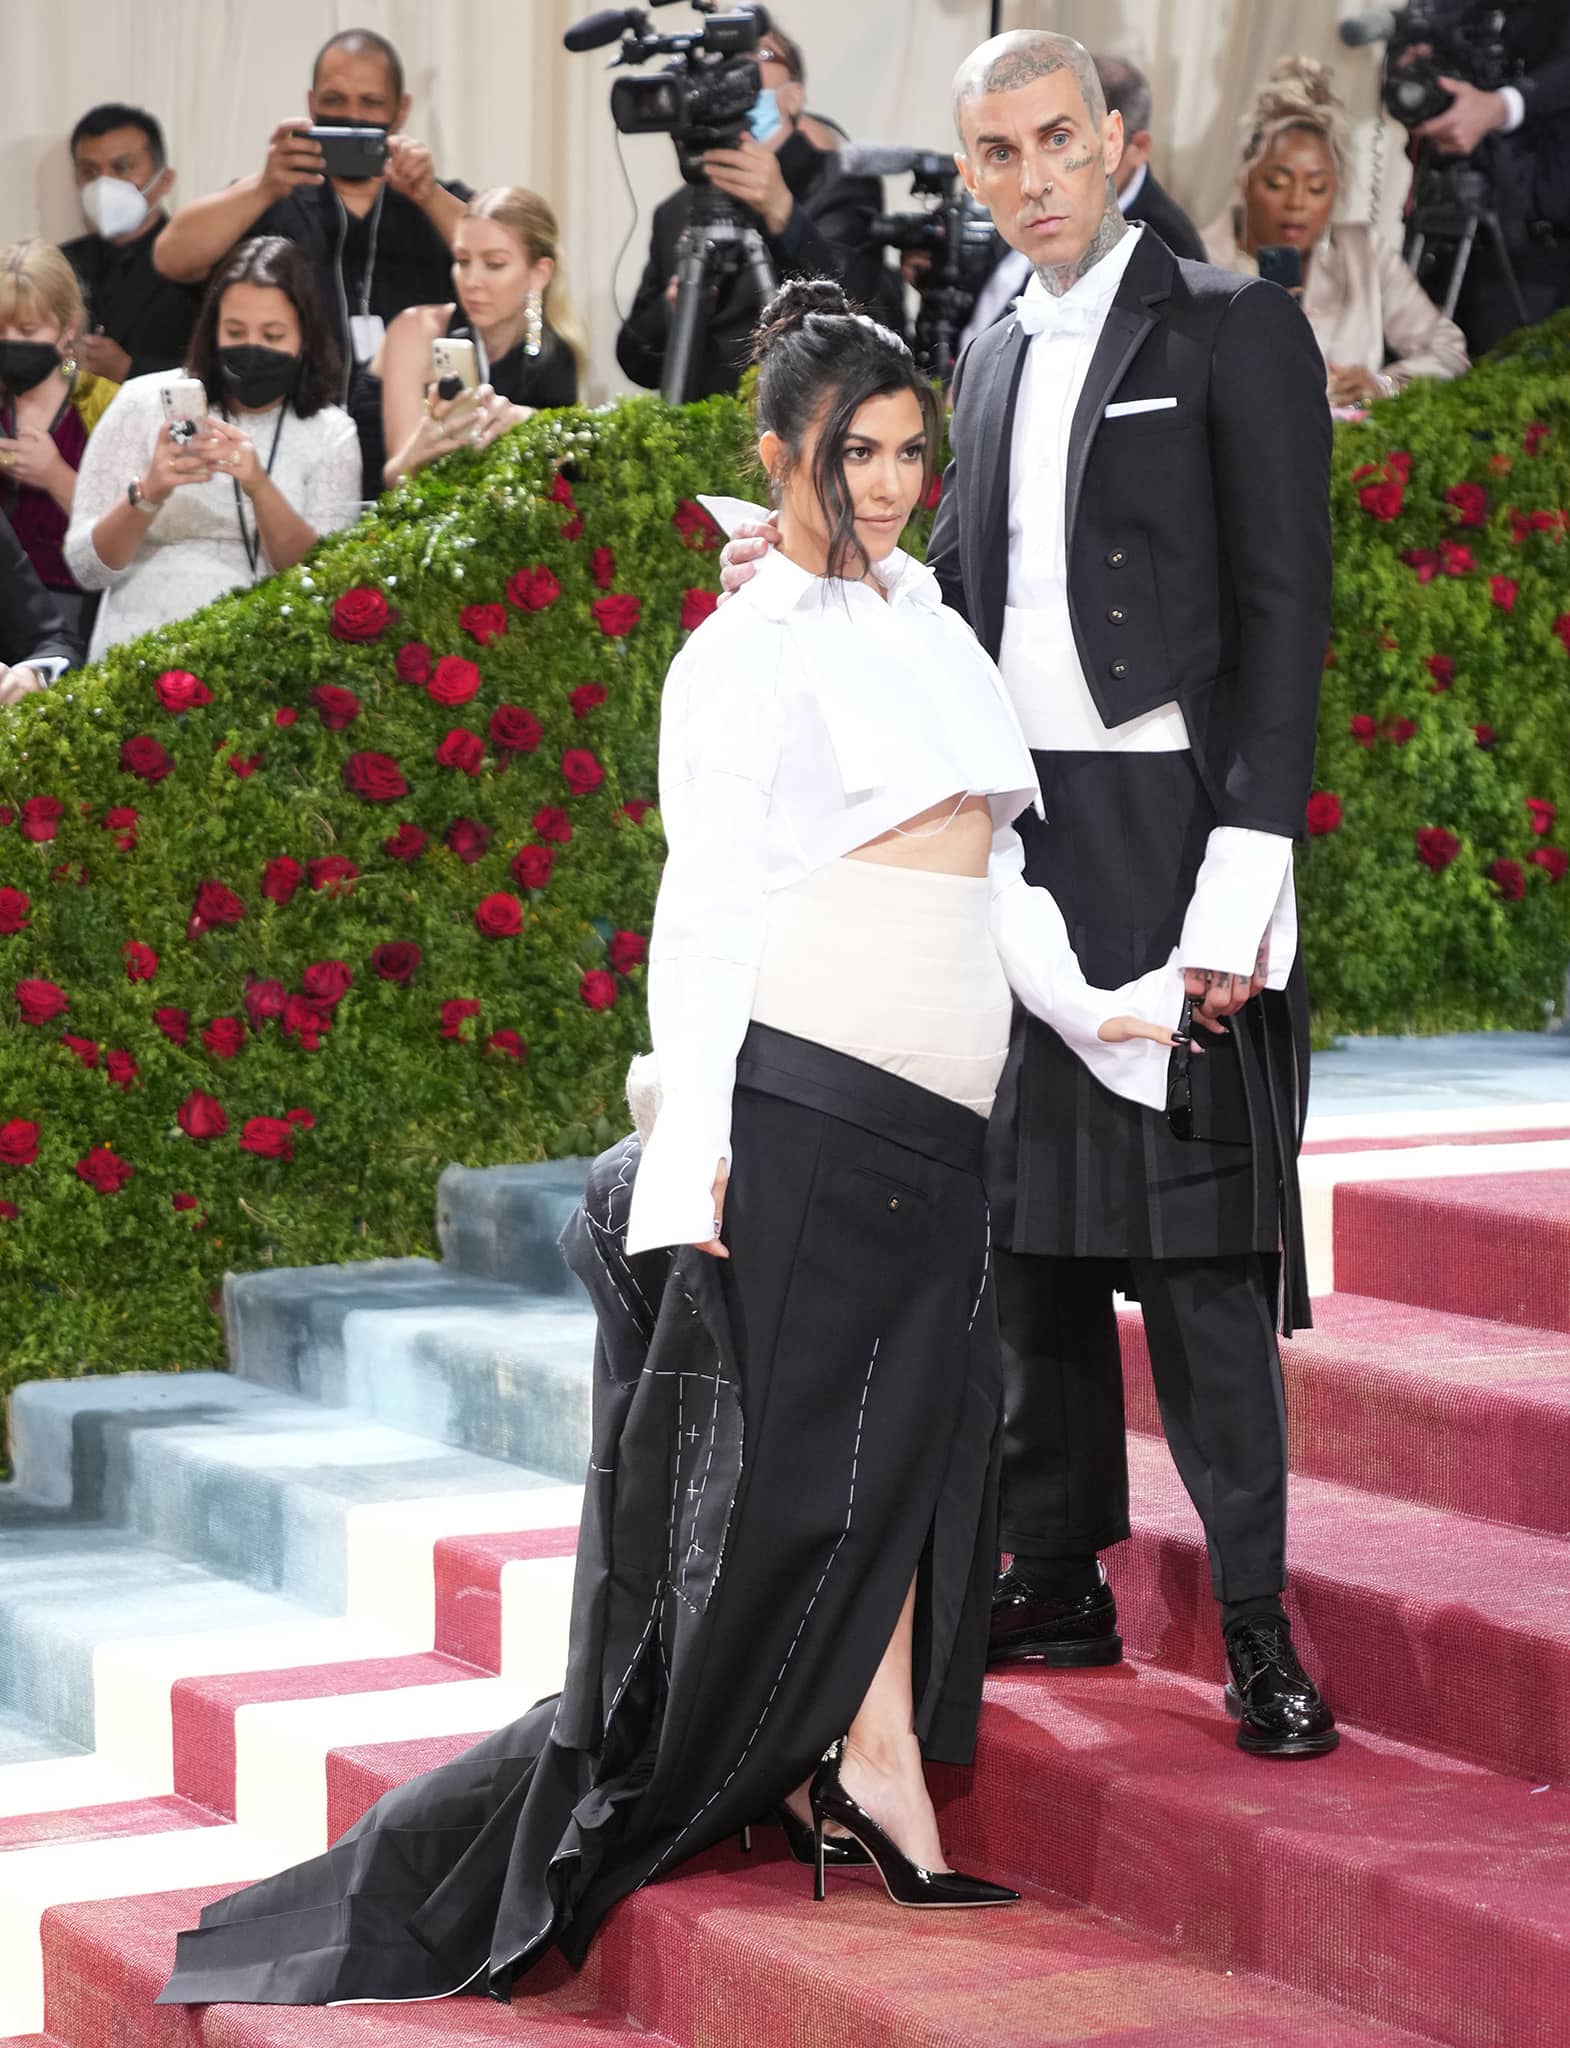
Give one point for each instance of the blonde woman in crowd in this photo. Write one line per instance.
(529, 344)
(1376, 326)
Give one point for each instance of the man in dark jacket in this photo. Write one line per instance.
(35, 643)
(814, 220)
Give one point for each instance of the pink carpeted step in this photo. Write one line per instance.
(737, 1955)
(1418, 1404)
(203, 1709)
(1442, 1630)
(1496, 1246)
(468, 1587)
(108, 1823)
(1329, 1148)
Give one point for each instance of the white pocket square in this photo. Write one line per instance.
(1132, 405)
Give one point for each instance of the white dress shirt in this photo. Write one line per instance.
(1243, 891)
(803, 719)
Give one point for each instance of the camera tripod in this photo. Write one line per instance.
(1454, 202)
(719, 241)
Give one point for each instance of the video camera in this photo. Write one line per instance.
(1459, 39)
(955, 235)
(702, 97)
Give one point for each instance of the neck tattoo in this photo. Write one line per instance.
(1110, 230)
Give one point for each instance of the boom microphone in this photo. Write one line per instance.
(1376, 25)
(595, 31)
(879, 160)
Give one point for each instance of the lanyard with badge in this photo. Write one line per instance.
(366, 328)
(251, 537)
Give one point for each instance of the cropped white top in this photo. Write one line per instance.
(803, 719)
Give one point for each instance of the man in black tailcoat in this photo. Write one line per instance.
(1136, 524)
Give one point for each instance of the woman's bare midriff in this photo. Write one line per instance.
(953, 837)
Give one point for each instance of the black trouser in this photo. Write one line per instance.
(1217, 1370)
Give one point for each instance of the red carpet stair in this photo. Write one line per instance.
(1414, 1886)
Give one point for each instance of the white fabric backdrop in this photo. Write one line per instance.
(500, 101)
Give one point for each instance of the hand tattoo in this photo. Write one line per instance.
(1110, 230)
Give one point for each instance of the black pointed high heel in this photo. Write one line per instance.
(839, 1851)
(907, 1883)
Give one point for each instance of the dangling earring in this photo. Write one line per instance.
(68, 360)
(533, 324)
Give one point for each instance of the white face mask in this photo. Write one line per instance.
(115, 207)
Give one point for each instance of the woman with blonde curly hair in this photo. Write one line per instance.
(1376, 326)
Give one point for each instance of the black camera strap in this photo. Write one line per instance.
(251, 536)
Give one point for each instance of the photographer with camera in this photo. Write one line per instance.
(814, 220)
(363, 202)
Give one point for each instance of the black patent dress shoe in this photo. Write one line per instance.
(1272, 1698)
(1067, 1634)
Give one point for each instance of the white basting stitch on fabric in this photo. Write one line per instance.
(779, 1679)
(617, 1235)
(697, 1506)
(986, 1266)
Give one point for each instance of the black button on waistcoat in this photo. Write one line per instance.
(1116, 559)
(1119, 669)
(1116, 614)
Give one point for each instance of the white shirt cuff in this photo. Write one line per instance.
(673, 1193)
(1515, 109)
(49, 666)
(1243, 893)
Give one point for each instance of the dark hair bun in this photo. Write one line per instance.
(791, 304)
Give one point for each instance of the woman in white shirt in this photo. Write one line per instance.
(789, 1521)
(164, 524)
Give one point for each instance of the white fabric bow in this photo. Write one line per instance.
(1076, 313)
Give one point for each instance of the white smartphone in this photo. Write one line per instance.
(185, 407)
(455, 366)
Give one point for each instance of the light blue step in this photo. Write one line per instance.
(23, 1741)
(502, 1222)
(510, 1383)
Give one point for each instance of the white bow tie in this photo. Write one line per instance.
(1039, 312)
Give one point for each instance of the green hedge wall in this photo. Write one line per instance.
(290, 916)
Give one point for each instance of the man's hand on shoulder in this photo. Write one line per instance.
(744, 550)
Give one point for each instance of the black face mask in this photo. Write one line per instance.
(26, 363)
(254, 376)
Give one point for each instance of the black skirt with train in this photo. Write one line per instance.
(782, 1441)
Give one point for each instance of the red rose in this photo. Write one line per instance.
(1400, 730)
(224, 1037)
(531, 866)
(360, 614)
(1553, 860)
(1382, 501)
(483, 622)
(14, 906)
(1424, 560)
(934, 494)
(637, 808)
(1542, 814)
(174, 1024)
(454, 680)
(1436, 848)
(182, 1203)
(178, 691)
(396, 961)
(454, 1014)
(463, 750)
(9, 1212)
(696, 606)
(83, 1048)
(121, 1068)
(333, 873)
(499, 916)
(327, 982)
(146, 758)
(18, 1142)
(336, 708)
(580, 771)
(41, 818)
(214, 905)
(7, 815)
(103, 1171)
(302, 1119)
(626, 951)
(1470, 502)
(598, 989)
(285, 715)
(38, 1001)
(602, 568)
(141, 962)
(1442, 669)
(467, 838)
(696, 528)
(1485, 736)
(553, 823)
(1399, 464)
(1363, 729)
(281, 877)
(245, 765)
(1534, 437)
(514, 730)
(1502, 590)
(1561, 630)
(1455, 558)
(264, 1000)
(123, 820)
(269, 1137)
(304, 1021)
(407, 843)
(375, 777)
(533, 590)
(508, 1043)
(560, 493)
(412, 663)
(1324, 814)
(617, 615)
(1509, 878)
